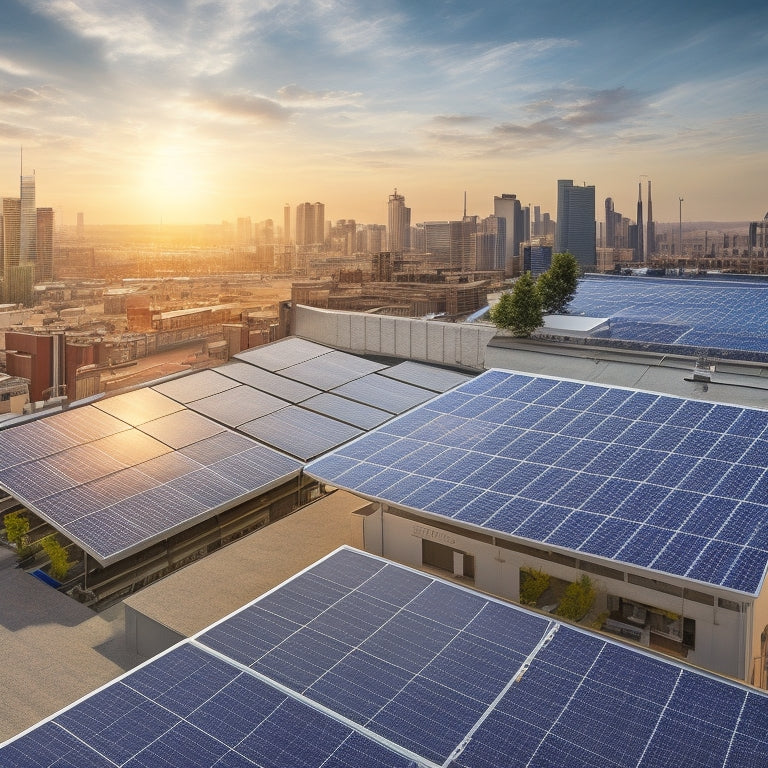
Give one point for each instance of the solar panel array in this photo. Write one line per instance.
(131, 469)
(714, 314)
(672, 485)
(114, 484)
(359, 662)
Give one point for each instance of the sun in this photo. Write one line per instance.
(174, 183)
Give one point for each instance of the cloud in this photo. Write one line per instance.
(242, 106)
(13, 68)
(450, 120)
(27, 97)
(294, 94)
(607, 106)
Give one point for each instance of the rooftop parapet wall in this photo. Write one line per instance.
(424, 340)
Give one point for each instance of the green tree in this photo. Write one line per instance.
(16, 528)
(558, 284)
(519, 311)
(57, 554)
(533, 583)
(576, 600)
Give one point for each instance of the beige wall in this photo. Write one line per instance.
(454, 344)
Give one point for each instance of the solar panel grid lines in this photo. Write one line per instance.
(266, 381)
(288, 352)
(599, 462)
(138, 406)
(195, 386)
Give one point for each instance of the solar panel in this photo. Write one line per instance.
(181, 428)
(86, 423)
(281, 354)
(195, 386)
(359, 662)
(429, 377)
(218, 447)
(131, 447)
(299, 432)
(566, 447)
(387, 394)
(138, 406)
(342, 409)
(238, 405)
(331, 370)
(287, 389)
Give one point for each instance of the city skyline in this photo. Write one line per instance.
(192, 112)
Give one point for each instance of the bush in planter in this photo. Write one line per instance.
(16, 528)
(533, 583)
(576, 600)
(57, 554)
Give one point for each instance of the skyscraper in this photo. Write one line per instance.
(576, 222)
(508, 207)
(11, 233)
(286, 224)
(310, 224)
(45, 244)
(651, 239)
(28, 244)
(640, 248)
(398, 224)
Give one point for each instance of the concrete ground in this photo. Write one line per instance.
(53, 650)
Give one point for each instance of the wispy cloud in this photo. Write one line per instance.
(242, 106)
(294, 94)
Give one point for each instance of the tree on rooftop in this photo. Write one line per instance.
(519, 311)
(558, 284)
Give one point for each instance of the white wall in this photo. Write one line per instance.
(454, 344)
(720, 633)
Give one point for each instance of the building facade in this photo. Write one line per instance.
(576, 222)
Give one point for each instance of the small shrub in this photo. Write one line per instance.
(533, 583)
(57, 554)
(576, 600)
(16, 528)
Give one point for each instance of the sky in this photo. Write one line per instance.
(198, 111)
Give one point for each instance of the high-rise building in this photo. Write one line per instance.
(45, 219)
(244, 230)
(537, 221)
(28, 244)
(576, 222)
(489, 243)
(310, 224)
(286, 224)
(640, 246)
(508, 207)
(651, 239)
(398, 224)
(11, 233)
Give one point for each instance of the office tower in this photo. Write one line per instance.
(490, 243)
(576, 222)
(244, 230)
(610, 224)
(508, 207)
(310, 224)
(537, 221)
(537, 259)
(28, 246)
(651, 239)
(640, 247)
(11, 233)
(437, 240)
(398, 224)
(45, 221)
(460, 233)
(286, 224)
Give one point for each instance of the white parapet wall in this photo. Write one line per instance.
(429, 341)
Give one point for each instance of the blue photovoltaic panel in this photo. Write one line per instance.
(674, 471)
(359, 662)
(274, 384)
(217, 447)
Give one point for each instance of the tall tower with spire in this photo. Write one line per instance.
(651, 239)
(640, 252)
